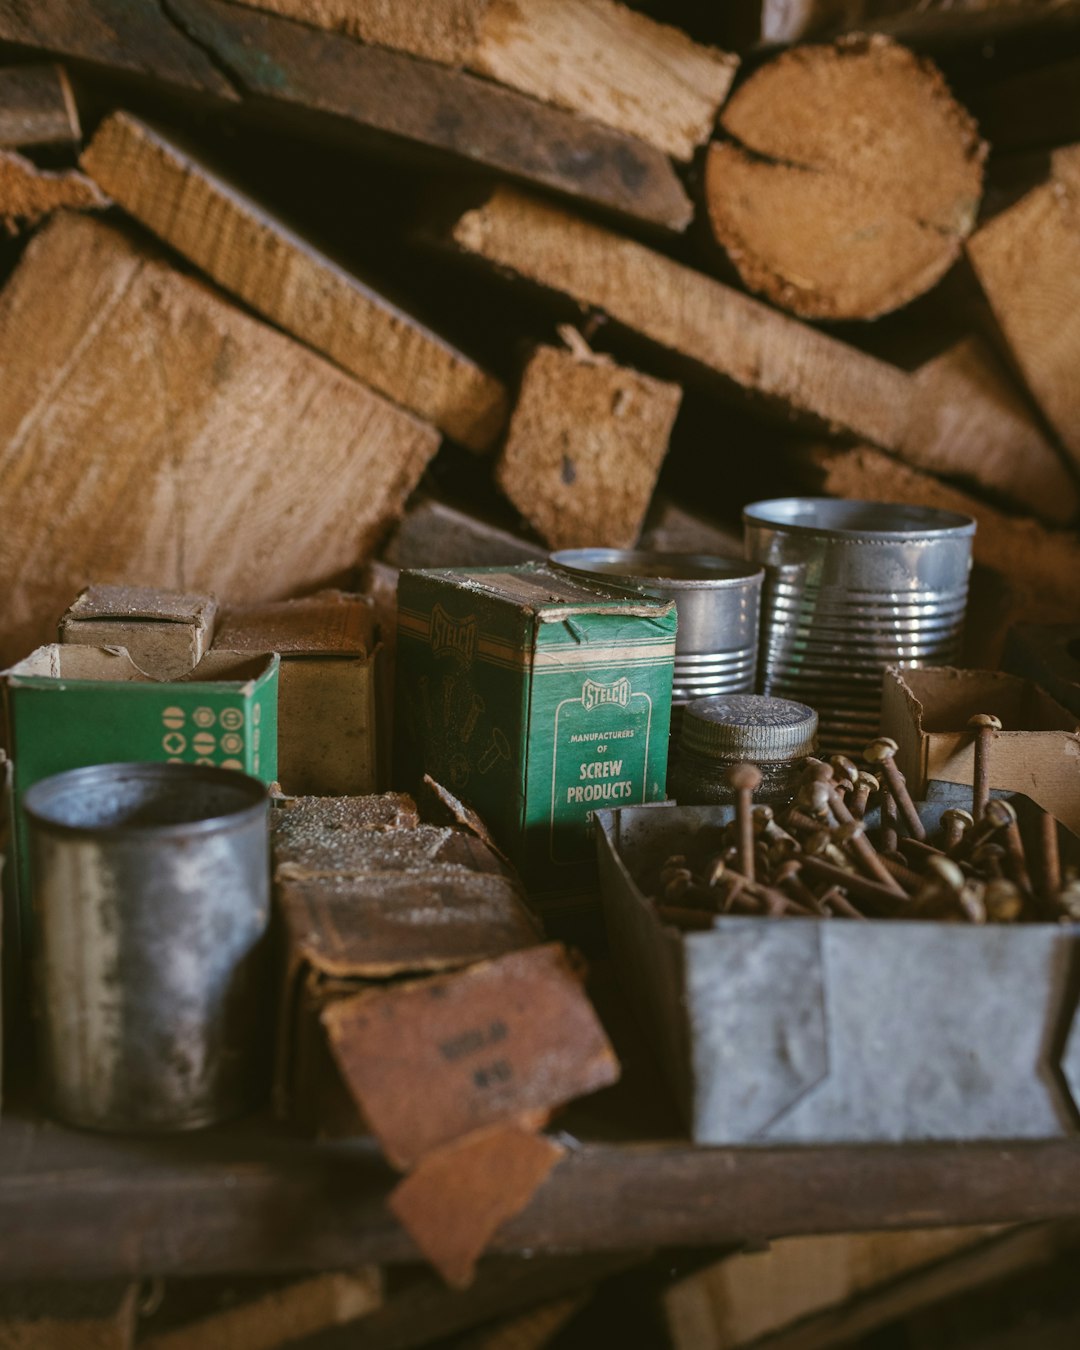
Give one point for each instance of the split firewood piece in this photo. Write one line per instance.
(851, 179)
(247, 250)
(586, 442)
(37, 108)
(435, 534)
(28, 194)
(116, 35)
(970, 421)
(595, 57)
(1027, 260)
(457, 1197)
(363, 90)
(715, 328)
(1041, 564)
(151, 432)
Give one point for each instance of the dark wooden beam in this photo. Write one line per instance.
(250, 1198)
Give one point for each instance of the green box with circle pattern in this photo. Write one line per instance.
(69, 706)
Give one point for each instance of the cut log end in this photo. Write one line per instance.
(851, 180)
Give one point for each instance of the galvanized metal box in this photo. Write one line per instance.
(805, 1031)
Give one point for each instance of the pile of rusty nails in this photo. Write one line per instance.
(817, 859)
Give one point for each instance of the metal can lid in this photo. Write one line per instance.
(749, 726)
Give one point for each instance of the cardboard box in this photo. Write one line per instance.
(812, 1031)
(328, 724)
(70, 706)
(1037, 753)
(536, 699)
(368, 895)
(166, 633)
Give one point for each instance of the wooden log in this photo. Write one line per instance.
(365, 90)
(1040, 564)
(37, 108)
(280, 1316)
(1027, 260)
(824, 219)
(28, 194)
(594, 57)
(131, 39)
(970, 422)
(153, 434)
(585, 445)
(253, 254)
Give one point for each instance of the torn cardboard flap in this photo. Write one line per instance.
(165, 632)
(470, 1049)
(458, 1196)
(1038, 751)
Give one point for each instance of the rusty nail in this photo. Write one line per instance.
(983, 725)
(865, 786)
(1003, 901)
(883, 900)
(882, 752)
(954, 823)
(1049, 854)
(745, 779)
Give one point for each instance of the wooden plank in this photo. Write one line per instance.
(594, 57)
(153, 434)
(82, 1205)
(28, 194)
(982, 1267)
(584, 448)
(37, 107)
(135, 39)
(248, 251)
(1027, 260)
(717, 330)
(824, 221)
(969, 421)
(752, 1296)
(369, 89)
(280, 1316)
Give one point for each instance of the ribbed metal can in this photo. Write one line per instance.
(852, 587)
(718, 601)
(151, 892)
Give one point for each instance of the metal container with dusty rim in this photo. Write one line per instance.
(151, 892)
(852, 587)
(718, 602)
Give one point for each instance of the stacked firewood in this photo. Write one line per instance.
(273, 266)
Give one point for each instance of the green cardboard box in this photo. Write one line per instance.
(70, 706)
(537, 699)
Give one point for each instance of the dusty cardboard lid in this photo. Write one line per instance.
(749, 726)
(109, 603)
(542, 586)
(331, 623)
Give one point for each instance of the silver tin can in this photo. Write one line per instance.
(852, 587)
(718, 602)
(151, 892)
